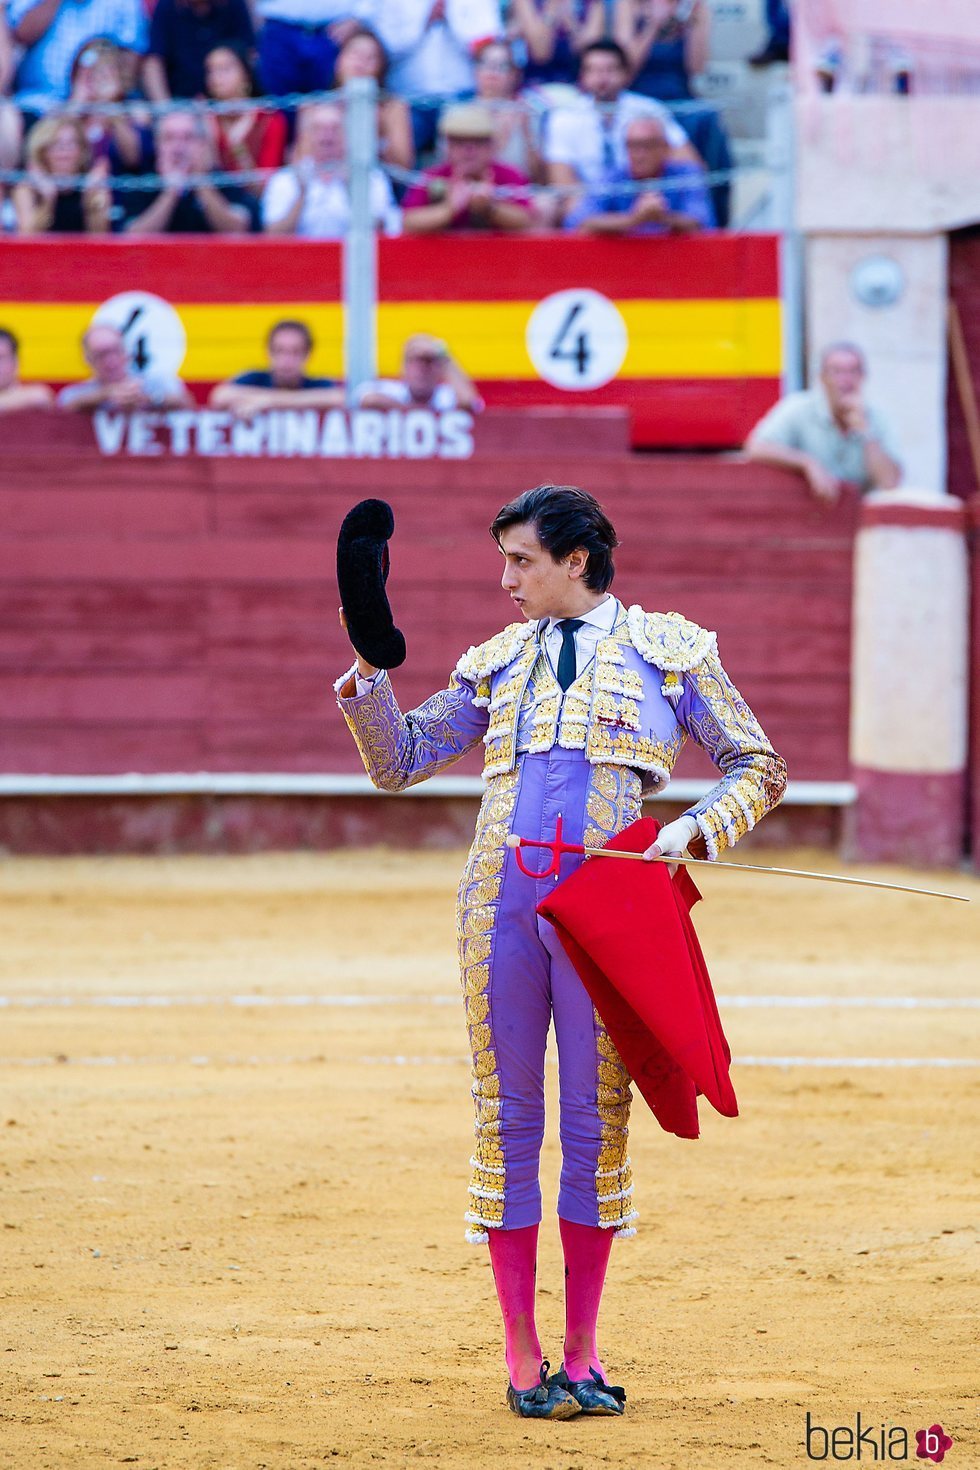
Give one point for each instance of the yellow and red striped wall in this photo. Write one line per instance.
(701, 316)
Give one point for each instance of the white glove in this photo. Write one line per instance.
(673, 839)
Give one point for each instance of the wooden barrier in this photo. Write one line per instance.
(179, 614)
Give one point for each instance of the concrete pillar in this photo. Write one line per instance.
(909, 680)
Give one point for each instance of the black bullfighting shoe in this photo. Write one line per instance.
(547, 1400)
(593, 1394)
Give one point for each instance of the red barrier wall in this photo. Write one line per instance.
(534, 320)
(180, 614)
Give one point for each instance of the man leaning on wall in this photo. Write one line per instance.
(830, 433)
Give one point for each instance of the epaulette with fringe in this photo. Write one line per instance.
(670, 642)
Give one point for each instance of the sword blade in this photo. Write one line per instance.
(613, 852)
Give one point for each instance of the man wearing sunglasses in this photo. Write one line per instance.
(430, 379)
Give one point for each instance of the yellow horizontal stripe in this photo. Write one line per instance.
(667, 339)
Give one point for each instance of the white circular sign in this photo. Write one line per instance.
(577, 339)
(153, 332)
(878, 280)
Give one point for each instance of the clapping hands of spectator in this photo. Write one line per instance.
(459, 196)
(305, 170)
(563, 15)
(195, 160)
(96, 181)
(437, 14)
(44, 183)
(342, 30)
(655, 13)
(202, 156)
(127, 394)
(480, 199)
(649, 206)
(237, 129)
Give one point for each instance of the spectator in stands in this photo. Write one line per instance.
(586, 142)
(115, 382)
(363, 55)
(431, 45)
(430, 379)
(668, 42)
(47, 202)
(98, 77)
(830, 434)
(555, 32)
(681, 208)
(461, 194)
(311, 196)
(15, 395)
(53, 32)
(11, 127)
(182, 206)
(284, 383)
(515, 135)
(254, 138)
(182, 32)
(776, 47)
(299, 41)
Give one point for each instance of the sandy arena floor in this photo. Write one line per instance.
(235, 1130)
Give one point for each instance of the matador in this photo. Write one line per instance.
(582, 708)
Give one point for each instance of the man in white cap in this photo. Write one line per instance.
(471, 190)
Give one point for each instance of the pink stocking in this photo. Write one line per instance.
(513, 1256)
(586, 1249)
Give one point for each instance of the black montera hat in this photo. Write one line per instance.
(362, 571)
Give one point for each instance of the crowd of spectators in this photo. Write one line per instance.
(430, 378)
(492, 114)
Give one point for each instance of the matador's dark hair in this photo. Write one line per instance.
(565, 518)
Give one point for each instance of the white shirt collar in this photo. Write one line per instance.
(602, 616)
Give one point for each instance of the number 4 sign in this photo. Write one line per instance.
(576, 339)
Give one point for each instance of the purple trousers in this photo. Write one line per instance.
(516, 979)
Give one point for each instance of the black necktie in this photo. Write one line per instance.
(566, 659)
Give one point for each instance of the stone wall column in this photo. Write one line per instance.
(909, 694)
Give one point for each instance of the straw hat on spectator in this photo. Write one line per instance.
(466, 120)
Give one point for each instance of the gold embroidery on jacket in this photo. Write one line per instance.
(753, 775)
(478, 898)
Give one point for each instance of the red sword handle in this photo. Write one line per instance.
(556, 847)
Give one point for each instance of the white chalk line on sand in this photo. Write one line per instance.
(268, 1002)
(450, 1061)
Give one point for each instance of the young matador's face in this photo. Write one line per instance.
(540, 586)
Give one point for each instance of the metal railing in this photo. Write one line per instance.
(360, 98)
